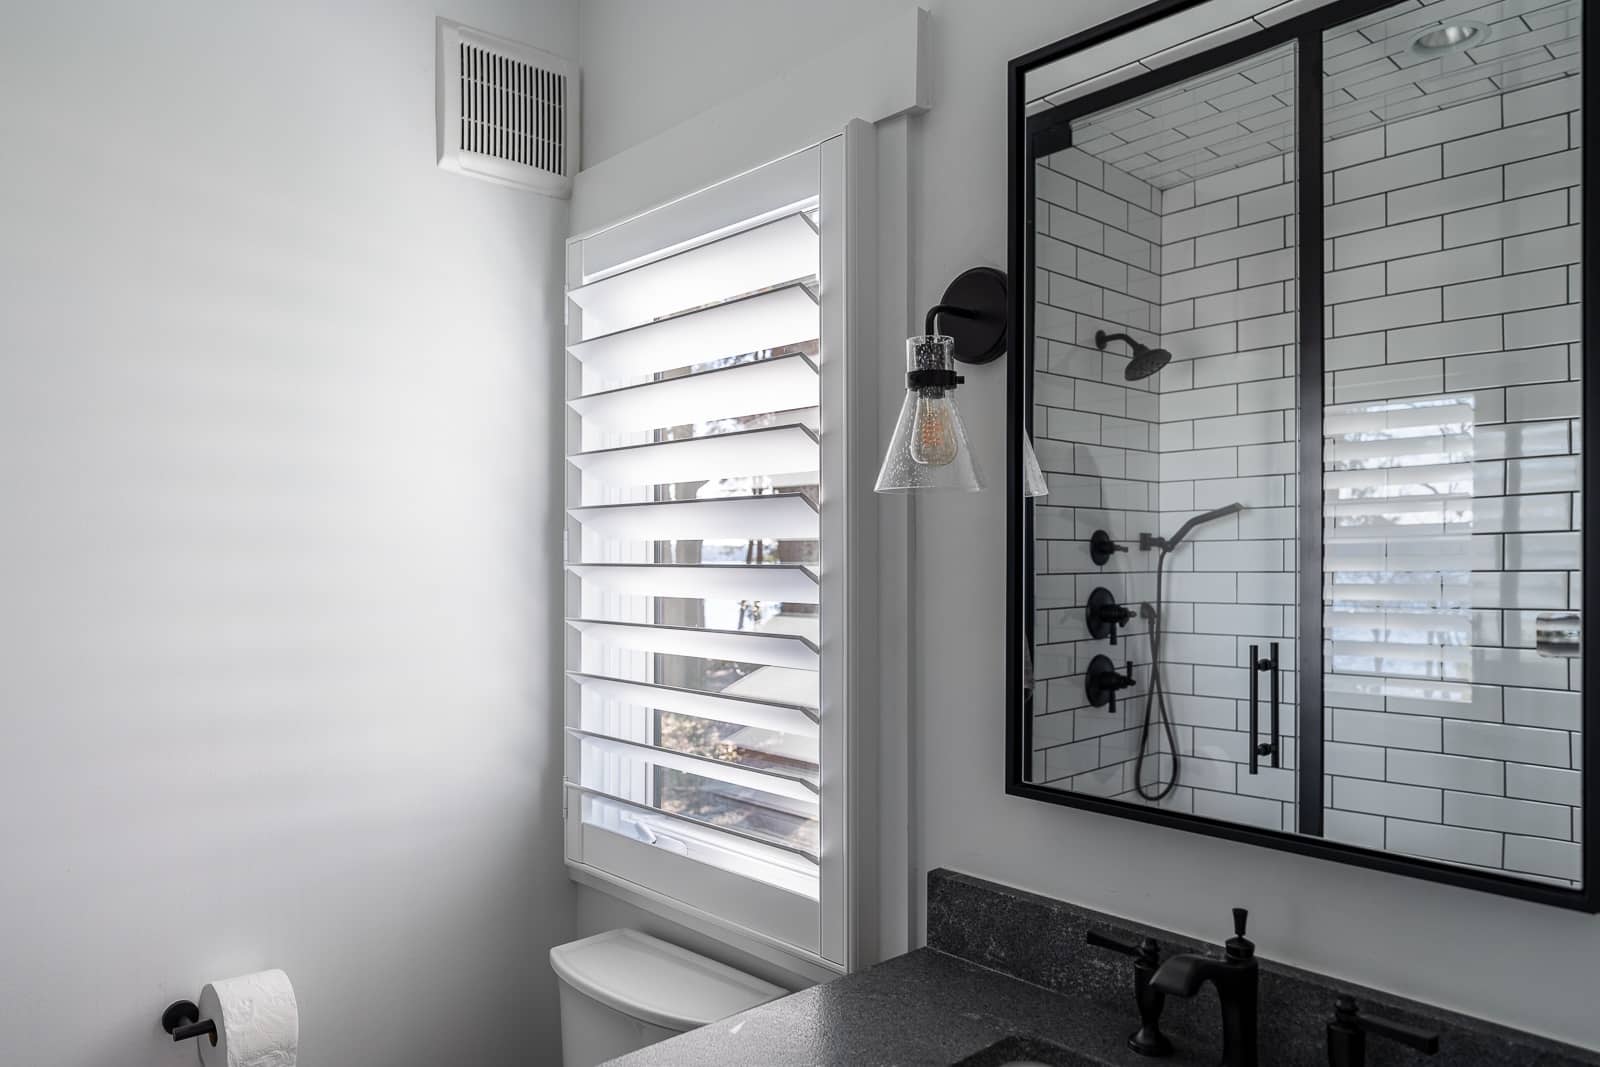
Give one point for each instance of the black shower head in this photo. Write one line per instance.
(1146, 361)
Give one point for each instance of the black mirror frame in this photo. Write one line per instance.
(1027, 138)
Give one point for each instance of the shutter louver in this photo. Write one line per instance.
(1398, 484)
(693, 575)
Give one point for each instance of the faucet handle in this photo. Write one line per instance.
(1099, 940)
(1347, 1034)
(1424, 1041)
(1238, 946)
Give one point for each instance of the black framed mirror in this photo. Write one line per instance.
(1299, 317)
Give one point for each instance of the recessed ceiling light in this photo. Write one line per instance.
(1451, 37)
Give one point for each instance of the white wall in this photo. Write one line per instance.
(276, 451)
(1519, 963)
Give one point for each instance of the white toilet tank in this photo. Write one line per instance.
(623, 990)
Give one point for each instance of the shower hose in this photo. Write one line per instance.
(1155, 705)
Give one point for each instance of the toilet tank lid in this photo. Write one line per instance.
(656, 982)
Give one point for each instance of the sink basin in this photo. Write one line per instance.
(1027, 1052)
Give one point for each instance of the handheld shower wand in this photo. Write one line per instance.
(1155, 705)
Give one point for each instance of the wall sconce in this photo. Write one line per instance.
(929, 449)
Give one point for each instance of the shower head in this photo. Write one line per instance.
(1169, 544)
(1146, 361)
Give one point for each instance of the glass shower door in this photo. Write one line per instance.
(1451, 426)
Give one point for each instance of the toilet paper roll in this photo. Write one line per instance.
(258, 1021)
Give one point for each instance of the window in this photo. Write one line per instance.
(706, 598)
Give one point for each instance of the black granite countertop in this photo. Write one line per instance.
(1006, 963)
(921, 1008)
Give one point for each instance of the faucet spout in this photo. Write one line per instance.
(1236, 975)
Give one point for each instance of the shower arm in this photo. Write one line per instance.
(1121, 337)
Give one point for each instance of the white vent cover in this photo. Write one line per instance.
(507, 112)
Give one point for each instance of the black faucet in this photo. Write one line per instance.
(1347, 1035)
(1236, 976)
(1148, 1040)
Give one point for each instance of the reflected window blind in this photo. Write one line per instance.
(1398, 510)
(693, 583)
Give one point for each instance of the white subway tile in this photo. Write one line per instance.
(1266, 492)
(1267, 331)
(1393, 380)
(1544, 551)
(1506, 146)
(1277, 393)
(1076, 229)
(1239, 180)
(1343, 353)
(1126, 187)
(1553, 401)
(1267, 267)
(1145, 225)
(1387, 798)
(1442, 197)
(1548, 784)
(1258, 460)
(1562, 170)
(1529, 214)
(1239, 242)
(1544, 708)
(1523, 514)
(1182, 466)
(1353, 149)
(1491, 369)
(1056, 187)
(1387, 312)
(1383, 175)
(1446, 772)
(1251, 811)
(1353, 216)
(1075, 295)
(1541, 101)
(1536, 855)
(1391, 242)
(1508, 815)
(1206, 218)
(1353, 828)
(1274, 203)
(1514, 292)
(1200, 281)
(1556, 325)
(1239, 304)
(1239, 366)
(1386, 729)
(1455, 338)
(1453, 843)
(1444, 268)
(1111, 210)
(1543, 474)
(1252, 429)
(1449, 124)
(1357, 283)
(1519, 744)
(1353, 761)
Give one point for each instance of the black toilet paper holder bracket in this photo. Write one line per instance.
(182, 1020)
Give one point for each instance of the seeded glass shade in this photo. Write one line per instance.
(1033, 483)
(929, 449)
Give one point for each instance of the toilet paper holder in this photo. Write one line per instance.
(182, 1020)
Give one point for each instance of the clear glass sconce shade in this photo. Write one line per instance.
(929, 448)
(1033, 483)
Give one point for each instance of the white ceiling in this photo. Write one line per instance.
(1244, 112)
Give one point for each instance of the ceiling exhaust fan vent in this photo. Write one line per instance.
(507, 113)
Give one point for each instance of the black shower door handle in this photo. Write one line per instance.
(1273, 747)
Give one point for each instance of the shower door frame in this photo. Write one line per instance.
(1028, 138)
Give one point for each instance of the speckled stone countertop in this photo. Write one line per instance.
(1006, 963)
(921, 1008)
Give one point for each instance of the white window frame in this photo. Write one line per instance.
(840, 935)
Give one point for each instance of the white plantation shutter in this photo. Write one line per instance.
(1398, 482)
(698, 703)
